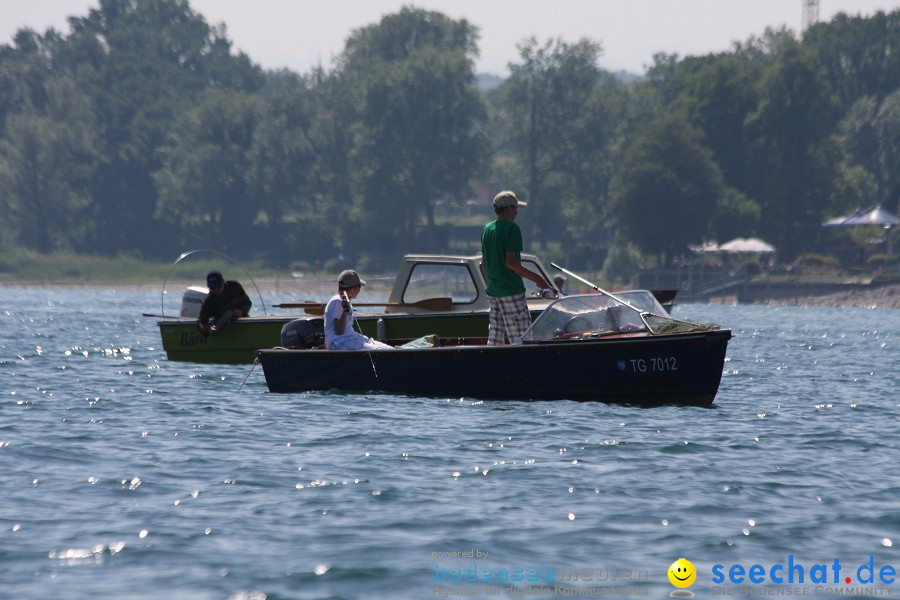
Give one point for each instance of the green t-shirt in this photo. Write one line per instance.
(498, 238)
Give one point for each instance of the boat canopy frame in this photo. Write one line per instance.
(597, 315)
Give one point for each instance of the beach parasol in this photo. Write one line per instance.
(869, 216)
(747, 246)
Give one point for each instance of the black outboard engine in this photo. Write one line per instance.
(303, 333)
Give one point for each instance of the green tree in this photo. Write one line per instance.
(142, 64)
(854, 188)
(887, 134)
(665, 192)
(292, 165)
(334, 178)
(417, 134)
(47, 160)
(736, 215)
(718, 97)
(622, 264)
(792, 153)
(593, 152)
(859, 54)
(870, 131)
(203, 186)
(723, 75)
(560, 117)
(25, 69)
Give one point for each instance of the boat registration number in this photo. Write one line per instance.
(654, 365)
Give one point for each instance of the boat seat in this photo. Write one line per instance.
(597, 321)
(624, 319)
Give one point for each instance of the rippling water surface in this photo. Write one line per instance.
(125, 475)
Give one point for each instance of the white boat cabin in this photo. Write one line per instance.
(426, 276)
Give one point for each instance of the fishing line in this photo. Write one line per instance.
(368, 352)
(255, 362)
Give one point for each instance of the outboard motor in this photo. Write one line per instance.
(192, 300)
(303, 333)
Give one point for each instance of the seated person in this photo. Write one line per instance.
(560, 282)
(225, 302)
(339, 333)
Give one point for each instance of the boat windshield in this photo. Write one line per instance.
(595, 315)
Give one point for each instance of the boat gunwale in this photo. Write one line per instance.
(631, 338)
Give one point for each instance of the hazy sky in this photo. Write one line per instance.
(299, 34)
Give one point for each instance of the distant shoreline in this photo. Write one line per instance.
(297, 286)
(887, 296)
(302, 288)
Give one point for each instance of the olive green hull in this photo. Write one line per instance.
(238, 342)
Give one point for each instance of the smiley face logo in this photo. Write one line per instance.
(682, 573)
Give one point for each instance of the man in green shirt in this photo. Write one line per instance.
(501, 265)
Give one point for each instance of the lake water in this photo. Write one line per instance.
(124, 475)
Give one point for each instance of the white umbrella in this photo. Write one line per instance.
(868, 216)
(748, 246)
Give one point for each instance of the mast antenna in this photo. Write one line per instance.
(810, 13)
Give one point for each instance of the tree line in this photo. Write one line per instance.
(143, 133)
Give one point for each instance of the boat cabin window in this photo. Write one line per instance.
(440, 281)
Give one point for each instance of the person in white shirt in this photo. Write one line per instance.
(339, 332)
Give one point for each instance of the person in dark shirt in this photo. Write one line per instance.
(226, 302)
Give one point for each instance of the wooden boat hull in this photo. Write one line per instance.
(640, 370)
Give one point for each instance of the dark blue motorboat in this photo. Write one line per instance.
(619, 348)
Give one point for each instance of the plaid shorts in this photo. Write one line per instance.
(508, 319)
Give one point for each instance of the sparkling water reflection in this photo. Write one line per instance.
(125, 475)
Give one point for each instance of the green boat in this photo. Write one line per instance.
(408, 314)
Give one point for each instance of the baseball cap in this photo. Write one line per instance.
(507, 198)
(349, 279)
(214, 279)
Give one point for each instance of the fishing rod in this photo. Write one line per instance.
(435, 304)
(643, 314)
(184, 255)
(598, 288)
